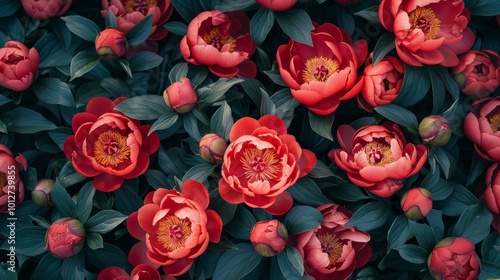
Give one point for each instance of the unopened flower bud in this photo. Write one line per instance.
(212, 147)
(180, 96)
(435, 130)
(269, 237)
(65, 237)
(41, 194)
(277, 5)
(111, 44)
(416, 203)
(454, 258)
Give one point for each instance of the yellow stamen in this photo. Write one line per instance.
(173, 232)
(495, 122)
(378, 154)
(331, 245)
(426, 20)
(260, 164)
(215, 39)
(111, 148)
(319, 68)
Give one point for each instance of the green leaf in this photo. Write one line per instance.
(62, 32)
(126, 198)
(302, 218)
(4, 100)
(53, 91)
(30, 241)
(370, 216)
(267, 106)
(191, 126)
(348, 192)
(49, 267)
(484, 8)
(104, 221)
(474, 223)
(222, 121)
(176, 27)
(84, 202)
(144, 60)
(231, 5)
(109, 255)
(82, 63)
(435, 221)
(156, 178)
(441, 190)
(225, 210)
(457, 202)
(260, 25)
(416, 84)
(384, 45)
(144, 107)
(235, 264)
(62, 201)
(291, 263)
(68, 176)
(241, 224)
(164, 122)
(199, 172)
(40, 221)
(125, 66)
(140, 31)
(345, 20)
(399, 115)
(94, 240)
(187, 9)
(13, 29)
(305, 191)
(82, 27)
(370, 14)
(398, 233)
(110, 20)
(424, 235)
(179, 71)
(320, 170)
(116, 87)
(215, 92)
(9, 7)
(413, 253)
(23, 120)
(275, 76)
(72, 268)
(297, 24)
(322, 125)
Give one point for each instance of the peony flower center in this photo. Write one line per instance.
(173, 232)
(260, 164)
(319, 69)
(331, 245)
(14, 59)
(141, 6)
(378, 154)
(111, 148)
(426, 20)
(495, 123)
(460, 265)
(217, 40)
(387, 84)
(478, 69)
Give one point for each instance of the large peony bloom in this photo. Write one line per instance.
(377, 157)
(322, 75)
(129, 13)
(261, 163)
(45, 9)
(108, 145)
(222, 42)
(11, 185)
(428, 31)
(18, 66)
(174, 228)
(454, 258)
(140, 272)
(333, 251)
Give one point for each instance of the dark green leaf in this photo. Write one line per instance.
(116, 87)
(104, 221)
(23, 120)
(53, 91)
(188, 9)
(320, 170)
(82, 27)
(9, 7)
(140, 31)
(235, 264)
(72, 268)
(4, 100)
(435, 220)
(82, 63)
(416, 84)
(156, 178)
(441, 189)
(291, 263)
(398, 233)
(297, 24)
(370, 216)
(275, 76)
(322, 125)
(144, 107)
(474, 223)
(125, 66)
(399, 115)
(307, 192)
(191, 126)
(62, 201)
(13, 29)
(94, 240)
(164, 122)
(267, 106)
(199, 172)
(222, 121)
(40, 221)
(30, 241)
(176, 27)
(110, 20)
(261, 24)
(370, 14)
(68, 176)
(457, 202)
(144, 60)
(84, 202)
(424, 234)
(347, 192)
(231, 5)
(223, 208)
(49, 267)
(126, 198)
(484, 8)
(109, 255)
(302, 218)
(241, 224)
(215, 92)
(384, 45)
(413, 253)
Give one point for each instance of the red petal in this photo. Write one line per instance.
(306, 162)
(196, 191)
(179, 267)
(138, 255)
(273, 122)
(105, 182)
(134, 228)
(247, 69)
(100, 105)
(243, 126)
(112, 272)
(81, 118)
(151, 143)
(214, 226)
(283, 203)
(228, 194)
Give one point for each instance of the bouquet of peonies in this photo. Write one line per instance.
(252, 139)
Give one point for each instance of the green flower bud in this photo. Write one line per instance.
(435, 130)
(41, 194)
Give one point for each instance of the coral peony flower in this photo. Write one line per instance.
(381, 83)
(428, 31)
(454, 258)
(111, 44)
(41, 194)
(175, 227)
(492, 192)
(478, 73)
(261, 163)
(277, 5)
(180, 96)
(322, 75)
(140, 272)
(129, 13)
(269, 237)
(212, 147)
(45, 9)
(333, 251)
(481, 126)
(416, 203)
(11, 185)
(222, 42)
(18, 66)
(377, 157)
(435, 130)
(65, 237)
(109, 146)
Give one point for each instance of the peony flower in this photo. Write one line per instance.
(478, 73)
(212, 147)
(481, 125)
(277, 5)
(435, 130)
(492, 192)
(269, 237)
(109, 146)
(222, 42)
(41, 194)
(454, 258)
(429, 31)
(333, 251)
(18, 66)
(111, 44)
(174, 227)
(416, 203)
(45, 9)
(261, 163)
(140, 272)
(11, 185)
(129, 13)
(381, 83)
(180, 96)
(65, 237)
(377, 157)
(322, 75)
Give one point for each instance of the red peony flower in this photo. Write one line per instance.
(377, 157)
(111, 44)
(277, 5)
(222, 42)
(65, 237)
(174, 227)
(261, 163)
(180, 96)
(322, 75)
(129, 13)
(11, 185)
(140, 272)
(416, 203)
(108, 145)
(333, 251)
(45, 9)
(269, 237)
(18, 66)
(492, 192)
(429, 31)
(454, 258)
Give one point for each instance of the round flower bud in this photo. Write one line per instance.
(65, 237)
(435, 130)
(111, 44)
(41, 194)
(269, 237)
(454, 258)
(212, 147)
(180, 96)
(277, 5)
(416, 203)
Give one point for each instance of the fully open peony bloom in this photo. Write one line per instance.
(261, 163)
(18, 66)
(377, 157)
(45, 9)
(454, 258)
(129, 13)
(333, 251)
(428, 31)
(11, 185)
(174, 228)
(322, 75)
(140, 272)
(108, 145)
(222, 42)
(65, 237)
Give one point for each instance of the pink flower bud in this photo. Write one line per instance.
(269, 237)
(19, 66)
(435, 130)
(180, 96)
(41, 194)
(45, 9)
(416, 203)
(277, 5)
(65, 237)
(454, 258)
(111, 44)
(212, 147)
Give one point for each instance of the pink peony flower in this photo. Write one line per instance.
(492, 192)
(65, 237)
(180, 96)
(18, 66)
(11, 185)
(45, 9)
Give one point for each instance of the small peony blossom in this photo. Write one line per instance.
(65, 237)
(416, 203)
(212, 147)
(19, 66)
(11, 185)
(435, 130)
(45, 9)
(277, 5)
(41, 194)
(111, 44)
(269, 237)
(454, 258)
(180, 96)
